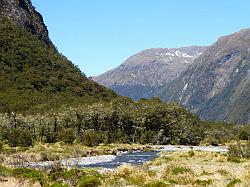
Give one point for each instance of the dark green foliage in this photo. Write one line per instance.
(220, 132)
(19, 137)
(203, 182)
(67, 135)
(1, 145)
(91, 138)
(120, 121)
(35, 77)
(244, 134)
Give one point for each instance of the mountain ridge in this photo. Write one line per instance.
(145, 72)
(216, 86)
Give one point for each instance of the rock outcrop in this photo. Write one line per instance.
(23, 13)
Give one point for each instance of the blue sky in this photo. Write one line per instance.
(98, 35)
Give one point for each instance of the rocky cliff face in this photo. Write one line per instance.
(144, 73)
(217, 85)
(24, 14)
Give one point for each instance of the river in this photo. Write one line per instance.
(113, 161)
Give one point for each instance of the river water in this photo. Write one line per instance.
(136, 158)
(113, 161)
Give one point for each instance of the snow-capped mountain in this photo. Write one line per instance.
(217, 85)
(144, 73)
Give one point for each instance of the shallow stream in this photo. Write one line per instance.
(113, 161)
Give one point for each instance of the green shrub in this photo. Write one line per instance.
(4, 172)
(88, 181)
(19, 137)
(204, 182)
(223, 172)
(67, 135)
(238, 151)
(191, 153)
(180, 170)
(233, 182)
(91, 138)
(243, 135)
(1, 145)
(31, 174)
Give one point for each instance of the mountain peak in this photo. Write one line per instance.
(216, 85)
(143, 73)
(23, 13)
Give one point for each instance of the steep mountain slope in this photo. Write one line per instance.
(33, 75)
(22, 13)
(143, 74)
(217, 85)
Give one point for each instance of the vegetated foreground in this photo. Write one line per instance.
(192, 168)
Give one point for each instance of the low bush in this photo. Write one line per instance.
(203, 182)
(233, 182)
(67, 135)
(19, 137)
(88, 181)
(4, 172)
(180, 170)
(239, 151)
(31, 174)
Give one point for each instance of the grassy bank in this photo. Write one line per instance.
(187, 169)
(172, 169)
(56, 151)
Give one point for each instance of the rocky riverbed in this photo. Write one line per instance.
(113, 161)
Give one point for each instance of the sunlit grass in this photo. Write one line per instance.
(170, 169)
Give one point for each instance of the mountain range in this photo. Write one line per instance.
(212, 82)
(217, 85)
(143, 74)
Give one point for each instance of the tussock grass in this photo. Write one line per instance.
(59, 150)
(172, 169)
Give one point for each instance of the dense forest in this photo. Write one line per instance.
(120, 121)
(35, 77)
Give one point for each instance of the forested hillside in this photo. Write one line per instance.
(35, 77)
